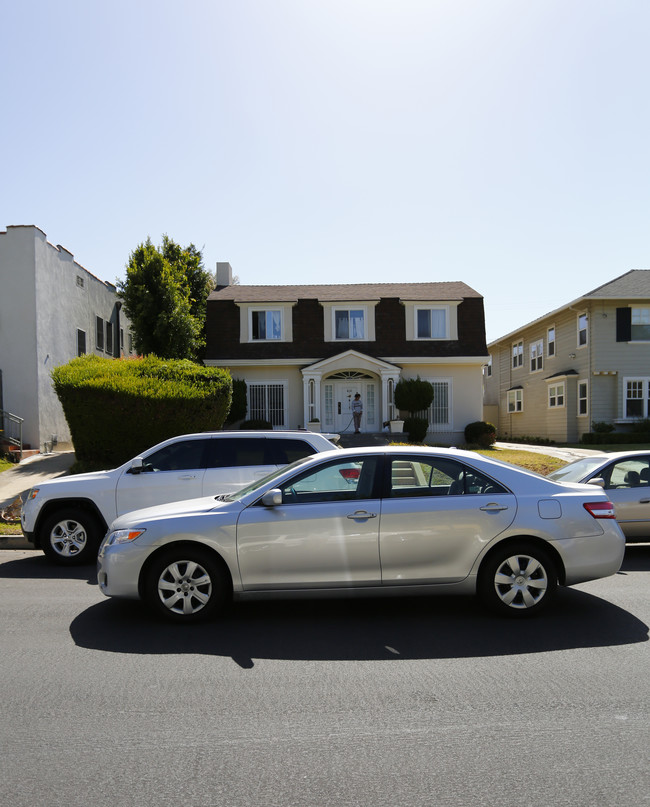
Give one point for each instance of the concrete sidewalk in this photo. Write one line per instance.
(26, 475)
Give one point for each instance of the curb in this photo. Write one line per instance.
(15, 542)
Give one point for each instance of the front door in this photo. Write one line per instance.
(344, 393)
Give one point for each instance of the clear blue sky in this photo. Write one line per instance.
(504, 143)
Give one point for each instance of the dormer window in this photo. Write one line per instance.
(349, 323)
(266, 325)
(431, 323)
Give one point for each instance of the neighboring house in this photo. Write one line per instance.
(304, 351)
(586, 361)
(51, 310)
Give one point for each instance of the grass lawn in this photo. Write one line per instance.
(5, 465)
(531, 460)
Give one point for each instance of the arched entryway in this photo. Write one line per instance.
(331, 384)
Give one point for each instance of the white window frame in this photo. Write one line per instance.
(265, 310)
(515, 401)
(557, 395)
(348, 309)
(642, 390)
(550, 341)
(440, 414)
(583, 397)
(537, 356)
(276, 416)
(487, 368)
(582, 329)
(430, 309)
(640, 318)
(517, 354)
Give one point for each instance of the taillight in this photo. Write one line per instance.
(600, 509)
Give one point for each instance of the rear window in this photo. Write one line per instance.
(286, 450)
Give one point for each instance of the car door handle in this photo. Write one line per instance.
(494, 508)
(187, 476)
(362, 514)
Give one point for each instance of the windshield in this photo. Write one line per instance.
(258, 483)
(575, 471)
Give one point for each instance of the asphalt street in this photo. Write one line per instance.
(375, 702)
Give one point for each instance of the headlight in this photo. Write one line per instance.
(123, 536)
(32, 494)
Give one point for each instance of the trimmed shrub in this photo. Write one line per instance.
(239, 405)
(413, 395)
(480, 433)
(117, 408)
(602, 427)
(256, 424)
(416, 429)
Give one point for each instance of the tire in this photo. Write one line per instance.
(187, 584)
(519, 580)
(71, 537)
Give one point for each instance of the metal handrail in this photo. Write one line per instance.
(11, 430)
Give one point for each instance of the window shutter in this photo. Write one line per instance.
(623, 324)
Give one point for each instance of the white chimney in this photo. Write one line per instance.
(224, 274)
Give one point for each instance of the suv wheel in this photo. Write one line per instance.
(71, 537)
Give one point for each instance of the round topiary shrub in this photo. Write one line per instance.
(480, 433)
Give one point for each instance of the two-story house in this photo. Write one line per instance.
(587, 361)
(51, 310)
(305, 351)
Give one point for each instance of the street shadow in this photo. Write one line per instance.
(360, 630)
(37, 567)
(637, 558)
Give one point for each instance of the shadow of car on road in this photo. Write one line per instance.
(360, 630)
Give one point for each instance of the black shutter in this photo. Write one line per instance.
(624, 324)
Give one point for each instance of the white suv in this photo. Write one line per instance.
(68, 517)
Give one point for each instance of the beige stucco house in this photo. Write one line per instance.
(587, 361)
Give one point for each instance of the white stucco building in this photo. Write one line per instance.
(51, 310)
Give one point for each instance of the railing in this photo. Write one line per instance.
(11, 430)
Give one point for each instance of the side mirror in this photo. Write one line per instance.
(598, 481)
(137, 465)
(272, 498)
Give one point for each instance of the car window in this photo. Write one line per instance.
(340, 480)
(237, 452)
(629, 473)
(182, 456)
(285, 450)
(413, 477)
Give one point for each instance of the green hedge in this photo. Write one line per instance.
(117, 408)
(614, 438)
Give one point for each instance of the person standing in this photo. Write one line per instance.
(357, 412)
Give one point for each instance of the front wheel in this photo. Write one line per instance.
(71, 537)
(519, 580)
(187, 585)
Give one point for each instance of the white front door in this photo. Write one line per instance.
(344, 392)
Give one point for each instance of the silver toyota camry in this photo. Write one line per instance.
(365, 522)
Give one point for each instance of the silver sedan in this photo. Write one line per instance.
(398, 520)
(625, 475)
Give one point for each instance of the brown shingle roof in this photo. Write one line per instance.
(346, 292)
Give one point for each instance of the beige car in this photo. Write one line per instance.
(373, 521)
(625, 476)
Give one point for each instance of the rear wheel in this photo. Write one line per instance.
(71, 537)
(187, 584)
(519, 580)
